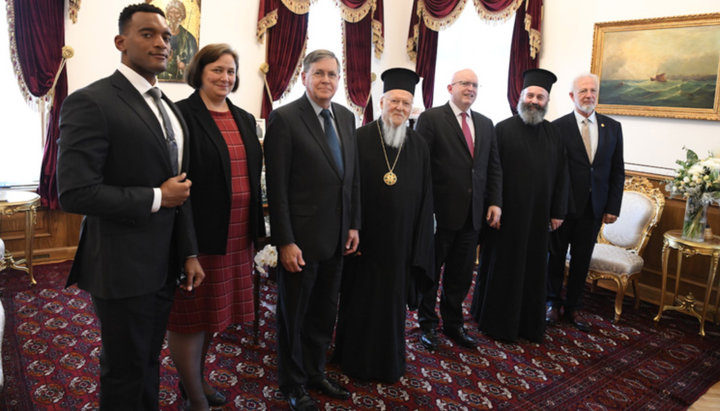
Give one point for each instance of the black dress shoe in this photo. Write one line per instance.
(430, 340)
(216, 399)
(459, 336)
(300, 400)
(578, 322)
(552, 315)
(330, 388)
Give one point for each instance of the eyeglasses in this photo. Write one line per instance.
(466, 84)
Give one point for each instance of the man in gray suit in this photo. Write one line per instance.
(314, 200)
(121, 163)
(466, 178)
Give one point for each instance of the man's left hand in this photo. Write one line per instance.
(609, 218)
(493, 216)
(194, 272)
(555, 223)
(352, 242)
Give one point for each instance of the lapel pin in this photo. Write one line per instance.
(602, 124)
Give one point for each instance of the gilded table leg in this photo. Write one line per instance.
(678, 268)
(665, 257)
(708, 289)
(30, 219)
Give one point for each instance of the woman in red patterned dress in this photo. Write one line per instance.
(225, 165)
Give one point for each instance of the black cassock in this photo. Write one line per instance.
(395, 261)
(515, 259)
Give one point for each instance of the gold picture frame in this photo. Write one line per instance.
(183, 17)
(660, 67)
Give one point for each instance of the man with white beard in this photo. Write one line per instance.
(535, 201)
(394, 260)
(594, 145)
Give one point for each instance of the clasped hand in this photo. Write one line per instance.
(175, 190)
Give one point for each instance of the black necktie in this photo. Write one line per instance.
(155, 93)
(332, 139)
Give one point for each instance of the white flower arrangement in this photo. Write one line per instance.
(696, 177)
(265, 258)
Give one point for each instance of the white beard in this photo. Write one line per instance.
(393, 136)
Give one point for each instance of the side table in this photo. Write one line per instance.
(11, 202)
(686, 248)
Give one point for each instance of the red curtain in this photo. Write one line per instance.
(39, 36)
(286, 33)
(363, 27)
(430, 16)
(525, 48)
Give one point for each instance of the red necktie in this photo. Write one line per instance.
(468, 135)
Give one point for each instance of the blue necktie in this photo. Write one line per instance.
(332, 139)
(172, 147)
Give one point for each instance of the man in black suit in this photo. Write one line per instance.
(314, 200)
(118, 161)
(594, 146)
(466, 177)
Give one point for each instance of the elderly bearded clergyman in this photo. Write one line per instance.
(394, 261)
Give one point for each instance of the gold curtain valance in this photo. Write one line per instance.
(501, 15)
(439, 23)
(298, 6)
(352, 15)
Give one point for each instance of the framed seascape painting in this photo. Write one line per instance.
(183, 17)
(661, 67)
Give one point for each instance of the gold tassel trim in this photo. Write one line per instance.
(437, 24)
(377, 38)
(354, 15)
(298, 6)
(73, 10)
(264, 25)
(501, 15)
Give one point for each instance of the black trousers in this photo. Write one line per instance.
(580, 233)
(306, 311)
(456, 250)
(132, 331)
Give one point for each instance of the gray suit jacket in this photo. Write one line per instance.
(311, 203)
(112, 153)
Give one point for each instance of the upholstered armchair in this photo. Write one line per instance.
(618, 253)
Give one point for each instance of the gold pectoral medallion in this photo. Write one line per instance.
(390, 178)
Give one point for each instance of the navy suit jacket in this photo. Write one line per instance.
(461, 182)
(311, 203)
(112, 152)
(604, 179)
(209, 171)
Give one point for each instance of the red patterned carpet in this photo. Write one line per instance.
(51, 346)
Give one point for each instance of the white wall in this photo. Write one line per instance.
(567, 49)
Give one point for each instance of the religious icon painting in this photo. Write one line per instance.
(183, 17)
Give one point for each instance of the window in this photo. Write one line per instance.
(484, 47)
(20, 140)
(324, 32)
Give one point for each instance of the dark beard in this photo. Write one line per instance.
(532, 114)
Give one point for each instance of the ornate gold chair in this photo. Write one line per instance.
(617, 254)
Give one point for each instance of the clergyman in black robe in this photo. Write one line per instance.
(395, 258)
(512, 304)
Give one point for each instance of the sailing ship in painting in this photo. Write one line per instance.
(659, 77)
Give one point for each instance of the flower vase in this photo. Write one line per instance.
(695, 219)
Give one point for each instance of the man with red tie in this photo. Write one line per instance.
(466, 174)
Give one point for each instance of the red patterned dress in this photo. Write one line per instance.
(225, 296)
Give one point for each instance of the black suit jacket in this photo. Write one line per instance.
(112, 153)
(604, 179)
(209, 171)
(311, 204)
(461, 182)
